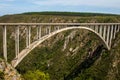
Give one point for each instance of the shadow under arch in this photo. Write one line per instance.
(33, 45)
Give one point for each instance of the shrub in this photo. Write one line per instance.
(36, 75)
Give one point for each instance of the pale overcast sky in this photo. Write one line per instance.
(20, 6)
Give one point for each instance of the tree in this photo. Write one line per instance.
(36, 75)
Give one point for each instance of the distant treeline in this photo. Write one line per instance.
(70, 14)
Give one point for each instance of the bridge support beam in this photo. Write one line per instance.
(4, 43)
(46, 30)
(49, 29)
(38, 32)
(58, 27)
(104, 32)
(111, 35)
(115, 30)
(28, 36)
(16, 41)
(96, 28)
(108, 34)
(100, 31)
(92, 27)
(118, 28)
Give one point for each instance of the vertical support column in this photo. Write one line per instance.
(49, 30)
(46, 30)
(58, 27)
(29, 32)
(115, 27)
(108, 34)
(118, 28)
(96, 28)
(92, 27)
(111, 35)
(38, 32)
(16, 41)
(100, 30)
(28, 36)
(4, 43)
(89, 26)
(104, 33)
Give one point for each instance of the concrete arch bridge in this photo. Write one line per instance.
(105, 31)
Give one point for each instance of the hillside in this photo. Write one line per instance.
(57, 17)
(82, 14)
(65, 55)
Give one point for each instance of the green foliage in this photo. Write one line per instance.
(69, 14)
(36, 75)
(1, 75)
(105, 54)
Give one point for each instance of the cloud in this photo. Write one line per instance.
(2, 5)
(5, 3)
(98, 3)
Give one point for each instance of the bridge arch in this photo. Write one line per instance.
(33, 45)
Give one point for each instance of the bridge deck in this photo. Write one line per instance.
(55, 24)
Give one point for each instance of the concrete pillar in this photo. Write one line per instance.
(111, 35)
(28, 36)
(46, 30)
(92, 27)
(61, 27)
(4, 43)
(56, 28)
(118, 28)
(49, 29)
(37, 29)
(16, 41)
(104, 32)
(100, 30)
(38, 32)
(88, 26)
(40, 35)
(108, 34)
(115, 30)
(96, 28)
